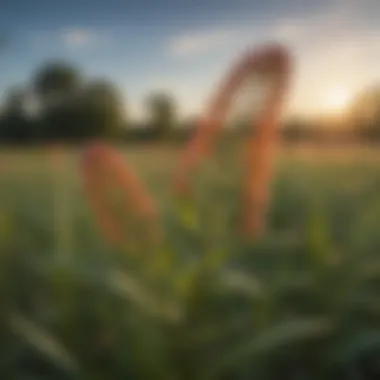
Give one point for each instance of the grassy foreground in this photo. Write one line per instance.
(301, 303)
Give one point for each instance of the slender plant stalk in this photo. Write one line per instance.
(61, 204)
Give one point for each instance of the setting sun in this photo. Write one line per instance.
(337, 100)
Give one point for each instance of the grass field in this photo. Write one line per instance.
(301, 303)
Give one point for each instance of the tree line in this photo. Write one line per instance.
(61, 104)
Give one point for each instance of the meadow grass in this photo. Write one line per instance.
(300, 303)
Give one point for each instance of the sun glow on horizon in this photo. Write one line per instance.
(337, 100)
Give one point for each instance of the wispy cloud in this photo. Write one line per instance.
(190, 44)
(79, 38)
(312, 28)
(70, 38)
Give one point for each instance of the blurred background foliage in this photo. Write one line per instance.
(61, 103)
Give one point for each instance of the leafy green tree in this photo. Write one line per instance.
(72, 109)
(56, 85)
(55, 82)
(94, 112)
(162, 112)
(61, 122)
(69, 108)
(15, 125)
(101, 109)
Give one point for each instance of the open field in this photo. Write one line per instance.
(303, 302)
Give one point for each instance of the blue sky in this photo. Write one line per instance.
(186, 46)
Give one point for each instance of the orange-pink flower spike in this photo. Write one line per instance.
(100, 154)
(272, 60)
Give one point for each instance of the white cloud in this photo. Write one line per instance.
(199, 42)
(77, 38)
(288, 31)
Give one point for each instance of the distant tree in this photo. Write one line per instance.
(15, 125)
(365, 113)
(294, 130)
(60, 122)
(68, 108)
(101, 109)
(72, 109)
(94, 112)
(162, 112)
(55, 82)
(15, 100)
